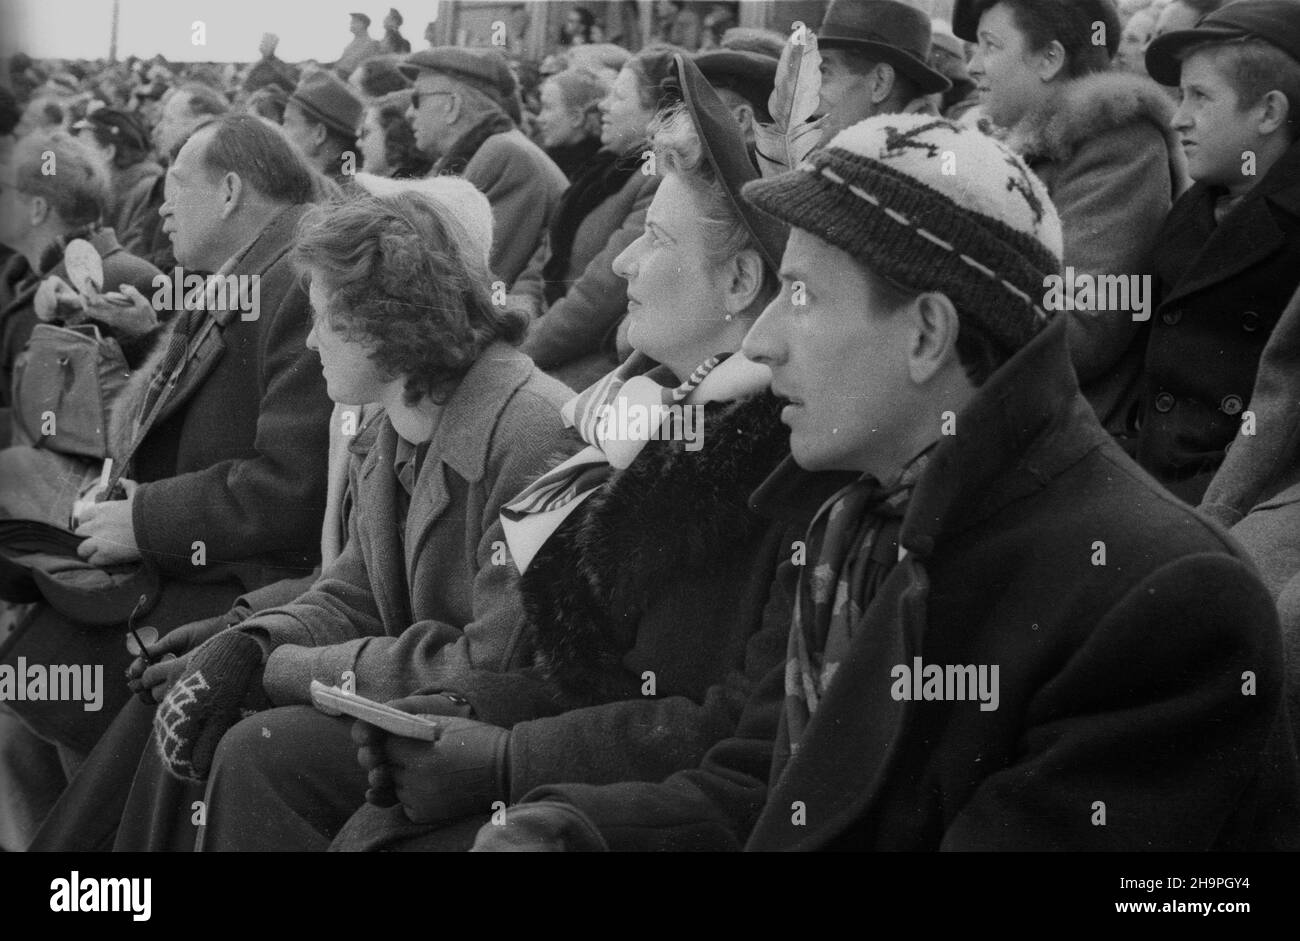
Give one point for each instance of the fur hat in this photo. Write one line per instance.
(932, 205)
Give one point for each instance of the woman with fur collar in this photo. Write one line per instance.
(648, 580)
(1102, 143)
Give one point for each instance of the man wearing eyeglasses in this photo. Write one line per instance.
(459, 115)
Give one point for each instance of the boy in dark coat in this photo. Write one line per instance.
(1224, 263)
(1006, 636)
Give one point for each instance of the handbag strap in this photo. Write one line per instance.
(114, 490)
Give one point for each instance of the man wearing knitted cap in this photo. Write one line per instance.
(458, 113)
(1006, 636)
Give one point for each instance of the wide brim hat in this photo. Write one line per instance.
(888, 30)
(39, 562)
(1277, 22)
(728, 155)
(751, 75)
(330, 101)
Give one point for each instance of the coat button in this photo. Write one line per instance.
(1231, 404)
(1164, 402)
(1250, 321)
(1171, 317)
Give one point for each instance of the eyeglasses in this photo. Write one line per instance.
(416, 96)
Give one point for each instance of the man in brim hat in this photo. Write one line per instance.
(322, 118)
(874, 59)
(744, 81)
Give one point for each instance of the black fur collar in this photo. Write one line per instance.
(672, 511)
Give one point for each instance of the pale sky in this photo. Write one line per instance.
(308, 29)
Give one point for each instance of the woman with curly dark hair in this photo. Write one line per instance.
(403, 317)
(387, 141)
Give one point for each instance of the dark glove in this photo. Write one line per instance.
(151, 683)
(461, 774)
(542, 827)
(223, 679)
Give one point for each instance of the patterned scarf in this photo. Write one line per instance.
(608, 449)
(852, 547)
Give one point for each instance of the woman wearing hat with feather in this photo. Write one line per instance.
(647, 576)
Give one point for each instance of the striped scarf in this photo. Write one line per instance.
(591, 414)
(852, 548)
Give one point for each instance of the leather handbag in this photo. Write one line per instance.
(65, 381)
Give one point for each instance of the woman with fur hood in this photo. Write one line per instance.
(648, 579)
(1102, 143)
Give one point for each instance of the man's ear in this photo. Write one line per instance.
(454, 107)
(744, 115)
(1274, 111)
(1049, 61)
(39, 211)
(746, 281)
(935, 345)
(884, 84)
(232, 191)
(318, 134)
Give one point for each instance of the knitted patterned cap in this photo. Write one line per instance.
(934, 206)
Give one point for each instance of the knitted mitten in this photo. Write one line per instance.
(224, 676)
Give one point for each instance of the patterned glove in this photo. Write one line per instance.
(223, 679)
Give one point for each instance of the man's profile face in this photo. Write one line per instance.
(845, 94)
(431, 119)
(174, 123)
(300, 130)
(840, 357)
(192, 207)
(14, 208)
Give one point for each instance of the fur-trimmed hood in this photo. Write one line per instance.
(671, 512)
(1089, 106)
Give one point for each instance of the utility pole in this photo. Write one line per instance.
(112, 41)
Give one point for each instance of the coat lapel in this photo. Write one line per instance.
(385, 554)
(272, 244)
(460, 443)
(1020, 431)
(835, 794)
(1248, 235)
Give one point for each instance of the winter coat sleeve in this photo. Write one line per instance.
(520, 204)
(713, 806)
(578, 323)
(1087, 746)
(1112, 196)
(1261, 464)
(336, 626)
(266, 501)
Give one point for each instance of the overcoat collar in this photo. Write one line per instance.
(1248, 234)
